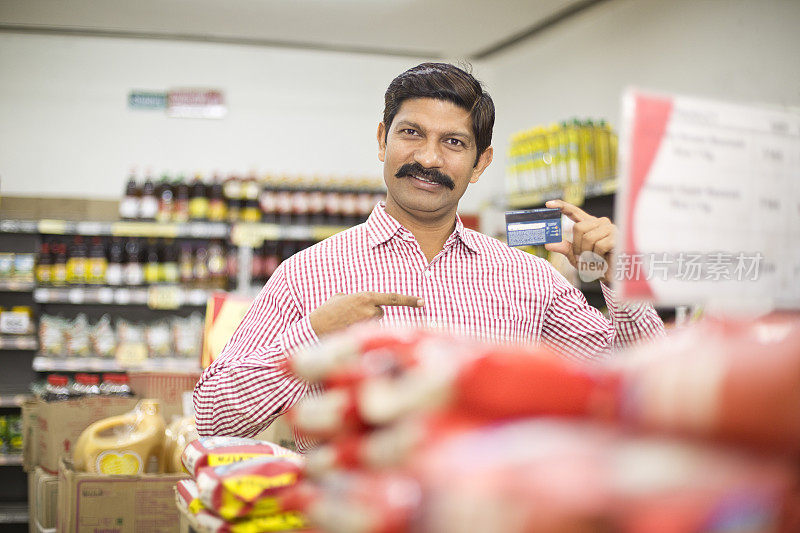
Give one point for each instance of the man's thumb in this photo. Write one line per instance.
(563, 247)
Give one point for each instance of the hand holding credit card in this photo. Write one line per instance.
(590, 234)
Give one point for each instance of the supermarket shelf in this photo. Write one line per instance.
(590, 190)
(13, 400)
(16, 286)
(97, 364)
(11, 459)
(199, 230)
(13, 513)
(18, 342)
(155, 297)
(253, 234)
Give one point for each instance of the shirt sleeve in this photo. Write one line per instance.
(247, 387)
(578, 330)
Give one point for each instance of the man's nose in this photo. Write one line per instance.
(430, 155)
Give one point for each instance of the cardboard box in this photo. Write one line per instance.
(92, 503)
(171, 388)
(42, 501)
(58, 425)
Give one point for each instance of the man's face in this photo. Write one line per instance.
(429, 157)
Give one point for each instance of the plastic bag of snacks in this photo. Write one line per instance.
(216, 451)
(187, 335)
(159, 341)
(102, 337)
(248, 488)
(77, 335)
(188, 498)
(52, 341)
(129, 332)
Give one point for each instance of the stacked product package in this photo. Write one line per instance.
(422, 432)
(237, 484)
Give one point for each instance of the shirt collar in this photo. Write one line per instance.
(381, 227)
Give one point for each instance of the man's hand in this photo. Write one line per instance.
(343, 310)
(598, 235)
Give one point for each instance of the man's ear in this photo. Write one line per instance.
(382, 142)
(483, 161)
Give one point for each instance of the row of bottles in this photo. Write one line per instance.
(558, 155)
(340, 202)
(133, 262)
(59, 387)
(271, 254)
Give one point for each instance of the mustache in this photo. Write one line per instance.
(428, 173)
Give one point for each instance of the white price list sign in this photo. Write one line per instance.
(709, 203)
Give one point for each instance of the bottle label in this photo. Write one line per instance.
(97, 269)
(151, 272)
(198, 208)
(333, 203)
(349, 206)
(125, 462)
(134, 274)
(300, 204)
(44, 274)
(129, 207)
(148, 207)
(217, 210)
(316, 202)
(284, 202)
(76, 270)
(59, 274)
(114, 274)
(365, 203)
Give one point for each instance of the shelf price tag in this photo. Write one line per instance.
(131, 354)
(53, 227)
(574, 194)
(253, 235)
(164, 297)
(144, 229)
(319, 233)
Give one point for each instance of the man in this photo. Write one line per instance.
(414, 262)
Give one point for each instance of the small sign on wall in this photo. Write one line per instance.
(147, 100)
(196, 103)
(181, 103)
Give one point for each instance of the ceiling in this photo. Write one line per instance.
(471, 29)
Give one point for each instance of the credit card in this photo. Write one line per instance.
(532, 227)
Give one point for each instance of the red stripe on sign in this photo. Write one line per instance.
(649, 125)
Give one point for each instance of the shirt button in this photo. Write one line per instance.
(427, 273)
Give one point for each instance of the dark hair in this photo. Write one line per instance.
(443, 81)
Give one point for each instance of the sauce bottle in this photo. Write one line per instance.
(316, 202)
(77, 264)
(271, 259)
(168, 268)
(300, 205)
(200, 273)
(97, 263)
(232, 191)
(216, 265)
(116, 263)
(129, 205)
(333, 203)
(198, 199)
(59, 272)
(56, 389)
(166, 200)
(268, 201)
(134, 272)
(186, 264)
(148, 205)
(44, 265)
(151, 266)
(283, 201)
(180, 210)
(217, 206)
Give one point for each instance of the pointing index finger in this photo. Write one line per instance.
(574, 213)
(392, 298)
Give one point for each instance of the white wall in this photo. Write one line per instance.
(65, 129)
(736, 50)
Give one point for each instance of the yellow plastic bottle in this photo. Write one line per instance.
(179, 434)
(127, 444)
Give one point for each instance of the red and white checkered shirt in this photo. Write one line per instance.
(475, 286)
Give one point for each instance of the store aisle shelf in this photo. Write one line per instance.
(199, 230)
(253, 234)
(16, 286)
(10, 459)
(536, 198)
(98, 364)
(155, 297)
(9, 399)
(13, 513)
(18, 342)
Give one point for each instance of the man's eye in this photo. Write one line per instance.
(455, 142)
(408, 131)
